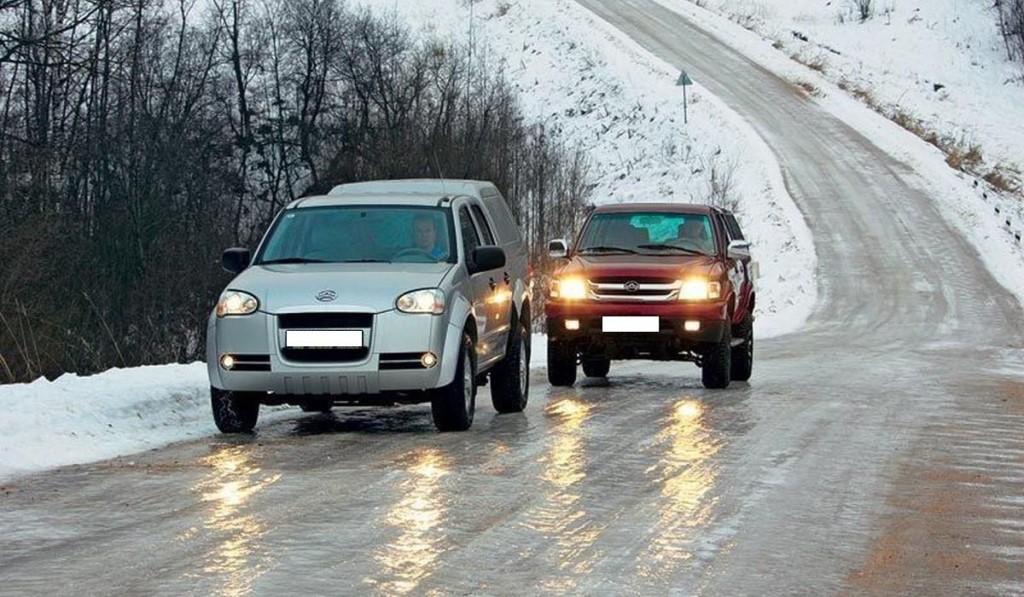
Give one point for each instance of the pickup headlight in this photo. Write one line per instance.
(235, 302)
(573, 289)
(428, 300)
(700, 289)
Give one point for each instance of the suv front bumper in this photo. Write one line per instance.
(388, 363)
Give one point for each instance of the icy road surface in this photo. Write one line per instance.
(878, 452)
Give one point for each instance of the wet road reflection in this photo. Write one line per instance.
(418, 517)
(239, 555)
(561, 516)
(686, 472)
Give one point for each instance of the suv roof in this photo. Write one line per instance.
(414, 191)
(692, 208)
(433, 187)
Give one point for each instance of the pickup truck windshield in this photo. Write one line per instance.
(655, 233)
(360, 234)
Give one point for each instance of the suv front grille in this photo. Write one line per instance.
(325, 355)
(324, 321)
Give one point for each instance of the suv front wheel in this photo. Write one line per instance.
(453, 405)
(234, 412)
(510, 379)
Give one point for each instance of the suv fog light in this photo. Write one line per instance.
(692, 326)
(428, 360)
(227, 361)
(572, 324)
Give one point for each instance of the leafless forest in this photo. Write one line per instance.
(142, 137)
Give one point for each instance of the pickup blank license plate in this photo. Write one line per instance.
(323, 338)
(630, 324)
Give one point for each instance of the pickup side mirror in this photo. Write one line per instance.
(486, 258)
(558, 248)
(739, 249)
(235, 260)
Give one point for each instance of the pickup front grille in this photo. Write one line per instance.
(634, 290)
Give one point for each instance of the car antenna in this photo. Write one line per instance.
(440, 174)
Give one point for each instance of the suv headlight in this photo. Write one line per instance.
(700, 289)
(428, 300)
(571, 289)
(235, 302)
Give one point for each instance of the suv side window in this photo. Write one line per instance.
(470, 238)
(481, 222)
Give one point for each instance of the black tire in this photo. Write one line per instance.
(743, 355)
(596, 366)
(234, 412)
(453, 405)
(561, 363)
(717, 370)
(510, 379)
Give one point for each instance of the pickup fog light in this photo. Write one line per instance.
(569, 289)
(234, 302)
(699, 289)
(572, 324)
(428, 300)
(227, 362)
(691, 326)
(428, 360)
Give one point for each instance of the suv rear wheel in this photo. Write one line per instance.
(717, 370)
(510, 379)
(561, 363)
(234, 412)
(453, 405)
(743, 355)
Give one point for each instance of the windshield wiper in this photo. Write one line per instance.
(364, 261)
(607, 250)
(286, 260)
(664, 247)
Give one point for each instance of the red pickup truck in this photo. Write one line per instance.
(661, 281)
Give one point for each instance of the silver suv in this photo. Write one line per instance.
(384, 292)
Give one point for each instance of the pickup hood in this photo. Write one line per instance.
(660, 266)
(368, 287)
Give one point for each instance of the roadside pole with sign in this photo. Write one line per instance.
(684, 81)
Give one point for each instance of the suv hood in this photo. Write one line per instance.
(655, 266)
(293, 287)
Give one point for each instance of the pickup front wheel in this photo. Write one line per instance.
(717, 370)
(561, 364)
(743, 355)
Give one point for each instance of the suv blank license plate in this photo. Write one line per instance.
(323, 338)
(630, 324)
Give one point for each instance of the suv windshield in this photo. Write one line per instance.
(360, 234)
(656, 233)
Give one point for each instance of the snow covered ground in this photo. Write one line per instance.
(600, 92)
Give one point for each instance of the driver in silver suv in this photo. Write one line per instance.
(378, 293)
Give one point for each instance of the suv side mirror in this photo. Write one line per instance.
(558, 248)
(486, 258)
(235, 260)
(739, 249)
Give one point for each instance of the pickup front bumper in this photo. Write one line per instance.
(671, 341)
